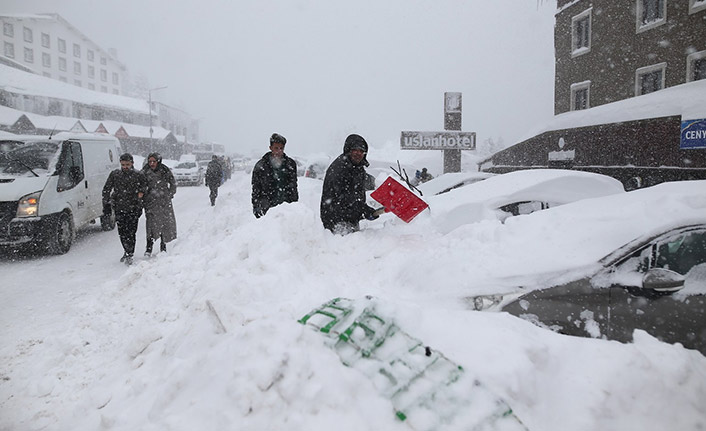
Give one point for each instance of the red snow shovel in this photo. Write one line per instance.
(399, 200)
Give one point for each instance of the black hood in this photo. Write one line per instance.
(356, 141)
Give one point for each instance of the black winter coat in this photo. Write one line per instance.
(214, 174)
(343, 195)
(272, 187)
(125, 187)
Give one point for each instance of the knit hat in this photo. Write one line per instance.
(355, 142)
(127, 157)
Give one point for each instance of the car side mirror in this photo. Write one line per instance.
(663, 280)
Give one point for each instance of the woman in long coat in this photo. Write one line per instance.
(159, 211)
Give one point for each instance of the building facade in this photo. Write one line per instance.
(52, 47)
(607, 50)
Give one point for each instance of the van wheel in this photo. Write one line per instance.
(108, 222)
(61, 235)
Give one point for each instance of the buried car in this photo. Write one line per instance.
(521, 192)
(654, 281)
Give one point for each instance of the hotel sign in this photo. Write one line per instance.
(449, 140)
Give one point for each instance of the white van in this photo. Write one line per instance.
(51, 186)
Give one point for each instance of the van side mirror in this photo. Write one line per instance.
(663, 280)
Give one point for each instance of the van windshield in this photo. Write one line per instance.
(31, 159)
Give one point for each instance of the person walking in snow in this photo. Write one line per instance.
(159, 212)
(274, 178)
(214, 174)
(122, 193)
(343, 196)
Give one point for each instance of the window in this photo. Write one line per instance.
(649, 79)
(29, 55)
(28, 35)
(47, 74)
(89, 54)
(104, 75)
(104, 61)
(62, 78)
(104, 88)
(696, 6)
(46, 41)
(77, 68)
(46, 59)
(696, 66)
(77, 82)
(115, 91)
(581, 33)
(91, 72)
(62, 45)
(115, 78)
(9, 50)
(62, 63)
(650, 14)
(580, 95)
(91, 86)
(77, 50)
(8, 29)
(70, 167)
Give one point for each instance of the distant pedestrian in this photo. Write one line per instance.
(214, 175)
(159, 212)
(343, 196)
(122, 193)
(425, 176)
(274, 178)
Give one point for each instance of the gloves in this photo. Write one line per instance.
(375, 214)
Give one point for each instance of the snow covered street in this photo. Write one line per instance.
(205, 336)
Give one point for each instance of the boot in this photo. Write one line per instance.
(128, 259)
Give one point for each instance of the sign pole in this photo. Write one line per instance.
(452, 121)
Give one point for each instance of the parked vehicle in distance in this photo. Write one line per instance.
(316, 170)
(52, 186)
(520, 192)
(652, 277)
(188, 173)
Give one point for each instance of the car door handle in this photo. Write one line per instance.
(86, 183)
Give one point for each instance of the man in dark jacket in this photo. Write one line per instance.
(127, 186)
(343, 196)
(274, 178)
(214, 175)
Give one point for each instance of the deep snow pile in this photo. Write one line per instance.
(206, 337)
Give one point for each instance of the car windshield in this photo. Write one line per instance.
(186, 165)
(30, 159)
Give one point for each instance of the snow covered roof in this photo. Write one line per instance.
(687, 100)
(19, 82)
(8, 117)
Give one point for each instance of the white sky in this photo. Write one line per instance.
(317, 70)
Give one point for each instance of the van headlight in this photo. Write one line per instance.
(28, 205)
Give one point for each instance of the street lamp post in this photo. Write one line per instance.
(149, 93)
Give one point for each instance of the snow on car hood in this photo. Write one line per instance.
(479, 201)
(13, 188)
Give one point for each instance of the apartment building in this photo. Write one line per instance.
(608, 50)
(630, 93)
(50, 46)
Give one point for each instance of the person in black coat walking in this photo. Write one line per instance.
(214, 176)
(274, 178)
(343, 196)
(127, 186)
(159, 210)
